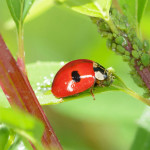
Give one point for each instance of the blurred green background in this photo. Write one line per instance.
(59, 34)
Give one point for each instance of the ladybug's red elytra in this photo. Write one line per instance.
(78, 76)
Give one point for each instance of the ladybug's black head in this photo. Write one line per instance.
(100, 72)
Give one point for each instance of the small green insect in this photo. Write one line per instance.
(132, 61)
(135, 54)
(138, 42)
(121, 49)
(141, 67)
(135, 47)
(127, 53)
(109, 43)
(126, 58)
(145, 58)
(121, 41)
(146, 45)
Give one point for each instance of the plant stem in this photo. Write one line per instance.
(21, 53)
(134, 94)
(112, 26)
(19, 92)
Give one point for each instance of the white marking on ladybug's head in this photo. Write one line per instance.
(99, 75)
(70, 86)
(86, 76)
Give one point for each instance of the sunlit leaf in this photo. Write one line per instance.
(4, 135)
(94, 8)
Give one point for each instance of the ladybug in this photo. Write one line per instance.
(78, 76)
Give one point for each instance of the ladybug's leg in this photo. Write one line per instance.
(91, 90)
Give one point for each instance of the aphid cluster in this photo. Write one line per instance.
(126, 42)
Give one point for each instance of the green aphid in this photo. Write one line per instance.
(114, 46)
(132, 62)
(114, 12)
(146, 45)
(135, 54)
(126, 58)
(138, 43)
(141, 67)
(135, 47)
(131, 34)
(116, 21)
(130, 38)
(125, 19)
(121, 41)
(94, 20)
(122, 26)
(127, 53)
(140, 52)
(145, 58)
(104, 27)
(114, 35)
(110, 36)
(137, 80)
(109, 43)
(146, 95)
(121, 49)
(104, 34)
(139, 63)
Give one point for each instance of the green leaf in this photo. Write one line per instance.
(24, 125)
(19, 9)
(142, 138)
(94, 8)
(4, 135)
(141, 141)
(141, 5)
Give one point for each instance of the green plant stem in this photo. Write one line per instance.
(112, 26)
(134, 94)
(21, 53)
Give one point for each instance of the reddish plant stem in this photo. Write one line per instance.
(145, 73)
(19, 92)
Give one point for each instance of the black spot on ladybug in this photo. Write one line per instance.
(75, 76)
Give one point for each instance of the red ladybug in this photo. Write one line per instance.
(78, 76)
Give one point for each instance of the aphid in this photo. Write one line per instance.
(145, 58)
(77, 76)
